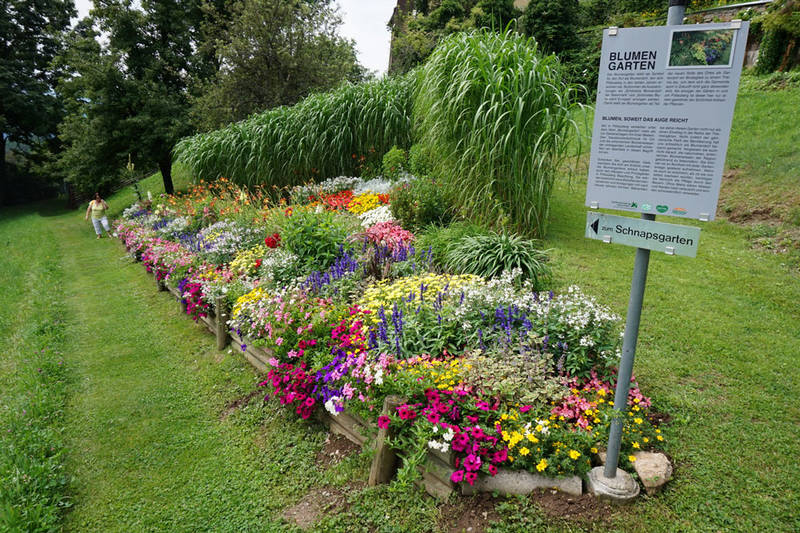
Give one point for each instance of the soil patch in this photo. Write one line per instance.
(238, 403)
(659, 419)
(472, 515)
(585, 509)
(335, 449)
(314, 505)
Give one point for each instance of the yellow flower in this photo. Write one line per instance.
(636, 445)
(645, 439)
(631, 458)
(524, 451)
(593, 449)
(542, 465)
(638, 420)
(574, 454)
(659, 437)
(531, 437)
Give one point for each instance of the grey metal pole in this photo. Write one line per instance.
(677, 9)
(625, 372)
(675, 14)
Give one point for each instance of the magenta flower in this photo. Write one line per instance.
(472, 463)
(500, 456)
(471, 477)
(457, 476)
(383, 421)
(460, 442)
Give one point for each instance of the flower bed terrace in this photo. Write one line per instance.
(347, 310)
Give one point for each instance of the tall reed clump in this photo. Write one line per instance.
(325, 135)
(498, 114)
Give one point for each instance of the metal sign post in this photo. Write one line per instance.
(608, 483)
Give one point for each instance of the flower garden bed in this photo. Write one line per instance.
(474, 384)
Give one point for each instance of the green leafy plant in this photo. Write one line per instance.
(489, 255)
(394, 161)
(421, 202)
(420, 160)
(316, 238)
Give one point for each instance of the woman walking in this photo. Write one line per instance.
(97, 208)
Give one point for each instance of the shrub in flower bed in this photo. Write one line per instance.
(494, 371)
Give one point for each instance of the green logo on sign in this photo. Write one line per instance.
(662, 208)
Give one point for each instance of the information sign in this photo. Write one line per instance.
(672, 239)
(665, 100)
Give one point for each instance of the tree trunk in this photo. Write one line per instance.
(165, 166)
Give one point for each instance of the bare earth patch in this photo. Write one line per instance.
(585, 509)
(314, 505)
(470, 514)
(335, 449)
(238, 403)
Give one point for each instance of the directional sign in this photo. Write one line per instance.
(671, 239)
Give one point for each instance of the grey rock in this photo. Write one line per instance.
(653, 469)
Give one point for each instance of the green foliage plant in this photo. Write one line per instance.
(421, 202)
(780, 46)
(439, 239)
(394, 162)
(316, 238)
(500, 115)
(490, 255)
(520, 376)
(420, 160)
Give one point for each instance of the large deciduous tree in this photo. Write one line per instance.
(29, 39)
(273, 53)
(131, 95)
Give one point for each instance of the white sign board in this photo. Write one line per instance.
(672, 239)
(665, 102)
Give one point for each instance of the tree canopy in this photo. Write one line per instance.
(275, 52)
(29, 39)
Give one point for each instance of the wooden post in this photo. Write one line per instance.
(384, 464)
(160, 283)
(222, 323)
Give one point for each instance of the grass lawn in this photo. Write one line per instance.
(140, 402)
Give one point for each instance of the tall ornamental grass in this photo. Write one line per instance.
(322, 136)
(497, 113)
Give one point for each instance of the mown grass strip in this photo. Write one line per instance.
(33, 376)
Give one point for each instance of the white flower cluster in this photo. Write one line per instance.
(330, 185)
(443, 445)
(376, 185)
(227, 237)
(382, 213)
(128, 212)
(174, 226)
(575, 310)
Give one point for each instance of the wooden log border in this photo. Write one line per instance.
(437, 467)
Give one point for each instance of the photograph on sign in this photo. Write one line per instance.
(665, 101)
(701, 48)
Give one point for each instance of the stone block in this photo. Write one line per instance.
(653, 469)
(523, 482)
